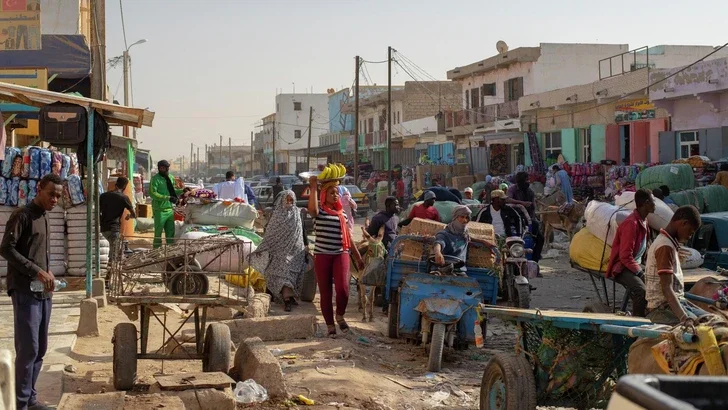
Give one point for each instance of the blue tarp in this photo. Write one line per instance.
(68, 56)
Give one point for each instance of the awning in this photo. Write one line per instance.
(114, 114)
(507, 137)
(119, 141)
(66, 56)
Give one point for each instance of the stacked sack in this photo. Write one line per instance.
(656, 220)
(57, 239)
(76, 228)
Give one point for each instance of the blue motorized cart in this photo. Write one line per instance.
(435, 305)
(563, 359)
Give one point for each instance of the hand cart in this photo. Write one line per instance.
(183, 288)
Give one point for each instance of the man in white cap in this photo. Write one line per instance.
(468, 193)
(505, 220)
(426, 210)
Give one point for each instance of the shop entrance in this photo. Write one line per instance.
(624, 144)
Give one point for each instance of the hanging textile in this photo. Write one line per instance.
(535, 152)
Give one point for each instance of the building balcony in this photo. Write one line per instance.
(481, 115)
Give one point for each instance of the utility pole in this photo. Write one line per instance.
(197, 164)
(191, 157)
(221, 165)
(207, 161)
(275, 166)
(251, 154)
(98, 49)
(230, 152)
(389, 120)
(310, 123)
(356, 121)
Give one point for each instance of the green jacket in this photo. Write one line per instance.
(160, 194)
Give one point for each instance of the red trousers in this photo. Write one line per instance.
(332, 270)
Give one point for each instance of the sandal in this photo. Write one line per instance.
(332, 331)
(287, 305)
(342, 325)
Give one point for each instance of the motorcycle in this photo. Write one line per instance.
(517, 268)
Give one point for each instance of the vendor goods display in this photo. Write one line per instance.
(711, 198)
(480, 257)
(229, 261)
(589, 252)
(603, 219)
(678, 177)
(230, 214)
(656, 220)
(620, 176)
(481, 231)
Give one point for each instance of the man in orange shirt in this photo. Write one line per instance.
(426, 210)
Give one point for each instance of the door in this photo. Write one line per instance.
(655, 128)
(612, 148)
(667, 147)
(639, 141)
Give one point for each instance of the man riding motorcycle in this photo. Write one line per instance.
(505, 220)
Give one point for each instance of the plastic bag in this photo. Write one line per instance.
(250, 392)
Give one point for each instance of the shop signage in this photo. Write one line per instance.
(634, 110)
(27, 77)
(20, 25)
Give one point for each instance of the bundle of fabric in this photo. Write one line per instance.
(657, 220)
(603, 219)
(589, 252)
(13, 162)
(678, 177)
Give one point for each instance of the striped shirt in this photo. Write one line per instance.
(663, 258)
(327, 229)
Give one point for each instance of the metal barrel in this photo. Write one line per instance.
(643, 332)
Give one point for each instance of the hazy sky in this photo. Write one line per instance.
(212, 67)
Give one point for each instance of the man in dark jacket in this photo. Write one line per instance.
(26, 246)
(521, 193)
(505, 220)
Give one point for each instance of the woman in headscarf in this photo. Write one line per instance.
(349, 206)
(281, 256)
(331, 252)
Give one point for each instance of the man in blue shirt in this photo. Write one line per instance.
(387, 218)
(454, 239)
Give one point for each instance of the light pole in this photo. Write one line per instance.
(126, 81)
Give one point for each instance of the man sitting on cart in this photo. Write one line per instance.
(454, 239)
(666, 303)
(630, 244)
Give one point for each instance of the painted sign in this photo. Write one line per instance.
(20, 25)
(27, 77)
(634, 110)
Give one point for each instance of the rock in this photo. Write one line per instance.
(199, 399)
(220, 313)
(254, 361)
(88, 323)
(70, 368)
(273, 328)
(258, 307)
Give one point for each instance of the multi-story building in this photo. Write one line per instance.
(291, 128)
(263, 145)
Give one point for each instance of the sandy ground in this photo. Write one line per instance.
(364, 369)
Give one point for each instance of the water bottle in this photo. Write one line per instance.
(250, 392)
(37, 286)
(478, 334)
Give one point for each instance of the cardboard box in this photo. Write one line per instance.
(422, 227)
(461, 170)
(143, 211)
(482, 231)
(414, 250)
(462, 182)
(480, 257)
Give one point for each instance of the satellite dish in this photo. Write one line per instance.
(501, 46)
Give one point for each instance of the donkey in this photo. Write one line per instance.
(371, 248)
(552, 218)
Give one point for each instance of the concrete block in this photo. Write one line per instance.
(199, 399)
(273, 328)
(220, 313)
(88, 323)
(253, 360)
(258, 306)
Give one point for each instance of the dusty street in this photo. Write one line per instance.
(364, 369)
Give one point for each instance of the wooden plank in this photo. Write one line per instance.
(563, 316)
(187, 381)
(107, 401)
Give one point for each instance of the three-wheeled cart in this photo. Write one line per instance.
(147, 285)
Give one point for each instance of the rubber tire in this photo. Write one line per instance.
(125, 356)
(217, 354)
(523, 296)
(437, 346)
(177, 282)
(517, 375)
(597, 307)
(393, 316)
(308, 292)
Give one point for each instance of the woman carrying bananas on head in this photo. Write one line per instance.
(333, 244)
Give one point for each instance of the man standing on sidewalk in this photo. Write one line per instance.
(111, 206)
(26, 247)
(165, 196)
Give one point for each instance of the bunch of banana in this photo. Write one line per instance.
(333, 171)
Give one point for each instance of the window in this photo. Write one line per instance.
(488, 89)
(585, 137)
(689, 144)
(297, 133)
(467, 99)
(475, 97)
(296, 106)
(552, 143)
(513, 89)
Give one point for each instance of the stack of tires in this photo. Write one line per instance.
(76, 229)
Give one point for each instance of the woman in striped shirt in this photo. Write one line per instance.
(331, 251)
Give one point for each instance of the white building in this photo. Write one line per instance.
(291, 125)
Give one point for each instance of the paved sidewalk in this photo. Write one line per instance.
(62, 336)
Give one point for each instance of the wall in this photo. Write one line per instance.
(339, 121)
(427, 98)
(288, 120)
(691, 114)
(499, 76)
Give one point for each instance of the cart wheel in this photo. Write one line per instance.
(522, 298)
(195, 284)
(508, 384)
(125, 356)
(437, 345)
(597, 307)
(216, 355)
(393, 315)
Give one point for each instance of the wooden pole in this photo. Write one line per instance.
(356, 122)
(308, 152)
(389, 121)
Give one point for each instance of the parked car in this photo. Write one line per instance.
(286, 180)
(262, 193)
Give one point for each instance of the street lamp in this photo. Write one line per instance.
(126, 81)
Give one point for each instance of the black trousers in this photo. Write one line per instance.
(538, 246)
(31, 318)
(637, 291)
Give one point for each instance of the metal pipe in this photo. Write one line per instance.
(642, 332)
(90, 198)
